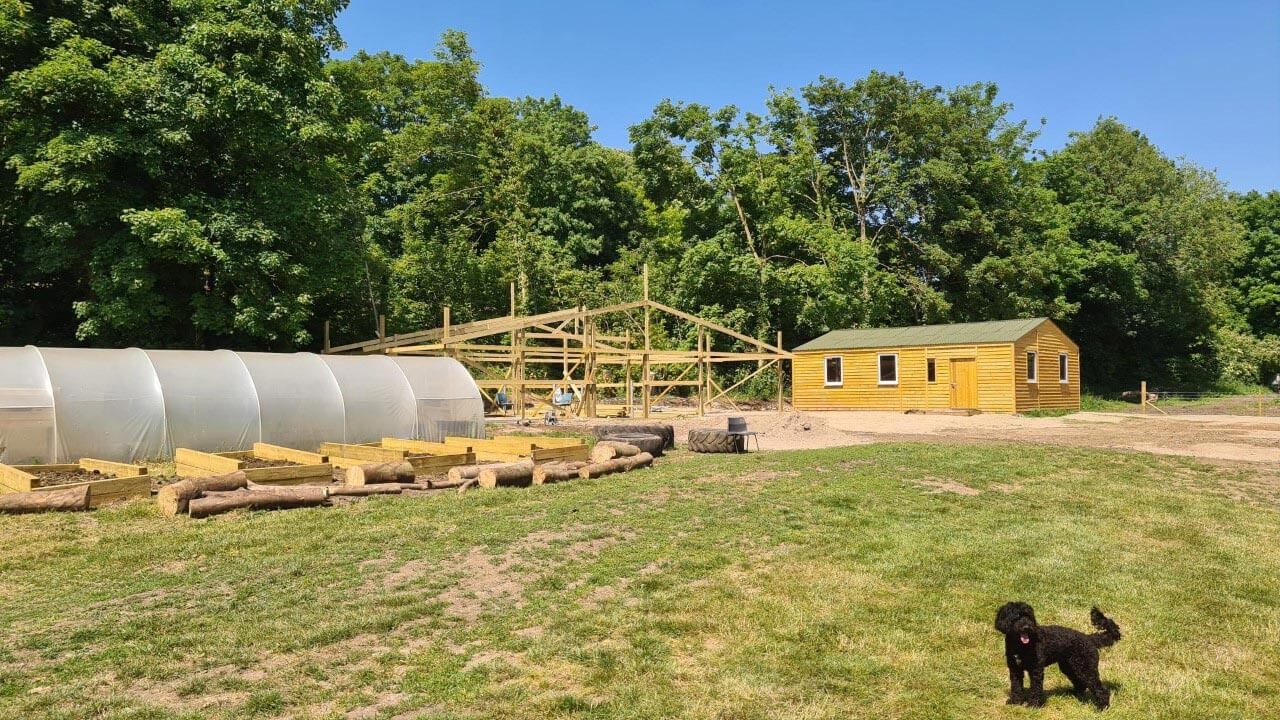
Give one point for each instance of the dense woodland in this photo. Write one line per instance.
(203, 173)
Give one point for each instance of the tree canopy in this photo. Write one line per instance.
(203, 173)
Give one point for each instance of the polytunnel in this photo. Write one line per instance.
(62, 404)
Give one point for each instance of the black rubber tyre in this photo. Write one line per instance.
(652, 444)
(662, 430)
(714, 441)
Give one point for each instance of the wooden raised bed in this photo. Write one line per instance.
(130, 481)
(426, 458)
(510, 448)
(309, 468)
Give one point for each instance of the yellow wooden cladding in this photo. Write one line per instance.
(1048, 392)
(998, 382)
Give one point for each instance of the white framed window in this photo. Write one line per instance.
(1063, 375)
(888, 363)
(834, 365)
(932, 370)
(1032, 357)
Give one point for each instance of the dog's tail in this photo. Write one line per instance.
(1109, 631)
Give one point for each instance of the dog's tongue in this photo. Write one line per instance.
(1025, 639)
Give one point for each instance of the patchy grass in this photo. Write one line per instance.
(852, 582)
(1090, 402)
(1048, 412)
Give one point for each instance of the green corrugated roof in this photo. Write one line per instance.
(992, 331)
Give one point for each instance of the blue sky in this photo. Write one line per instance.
(1200, 79)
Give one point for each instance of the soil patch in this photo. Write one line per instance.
(252, 463)
(67, 477)
(937, 486)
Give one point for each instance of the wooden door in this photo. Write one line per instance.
(964, 384)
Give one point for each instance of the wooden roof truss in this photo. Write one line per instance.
(570, 344)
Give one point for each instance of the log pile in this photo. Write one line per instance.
(617, 465)
(207, 496)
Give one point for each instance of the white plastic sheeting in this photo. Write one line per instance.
(209, 399)
(60, 404)
(380, 401)
(26, 407)
(446, 405)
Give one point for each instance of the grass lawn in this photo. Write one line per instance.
(852, 582)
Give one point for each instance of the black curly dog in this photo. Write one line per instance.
(1030, 647)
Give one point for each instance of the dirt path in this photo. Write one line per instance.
(1248, 439)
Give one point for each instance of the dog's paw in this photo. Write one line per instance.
(1014, 700)
(1035, 702)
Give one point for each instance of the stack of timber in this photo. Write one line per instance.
(283, 466)
(606, 458)
(201, 497)
(617, 465)
(427, 458)
(105, 481)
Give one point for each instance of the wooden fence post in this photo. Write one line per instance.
(1144, 397)
(778, 367)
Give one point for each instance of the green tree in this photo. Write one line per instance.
(179, 171)
(1258, 273)
(1156, 241)
(468, 193)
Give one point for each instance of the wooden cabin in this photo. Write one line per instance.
(1001, 366)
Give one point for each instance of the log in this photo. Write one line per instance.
(606, 450)
(467, 484)
(444, 484)
(275, 498)
(363, 490)
(516, 473)
(393, 472)
(464, 472)
(73, 499)
(557, 472)
(618, 465)
(174, 499)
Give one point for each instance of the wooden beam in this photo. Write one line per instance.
(110, 467)
(265, 451)
(208, 462)
(720, 329)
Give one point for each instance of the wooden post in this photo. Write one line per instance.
(326, 337)
(778, 368)
(702, 374)
(626, 371)
(446, 322)
(645, 376)
(1259, 406)
(382, 332)
(1144, 397)
(517, 350)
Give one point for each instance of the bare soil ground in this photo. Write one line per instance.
(1213, 437)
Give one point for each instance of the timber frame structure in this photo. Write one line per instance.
(572, 340)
